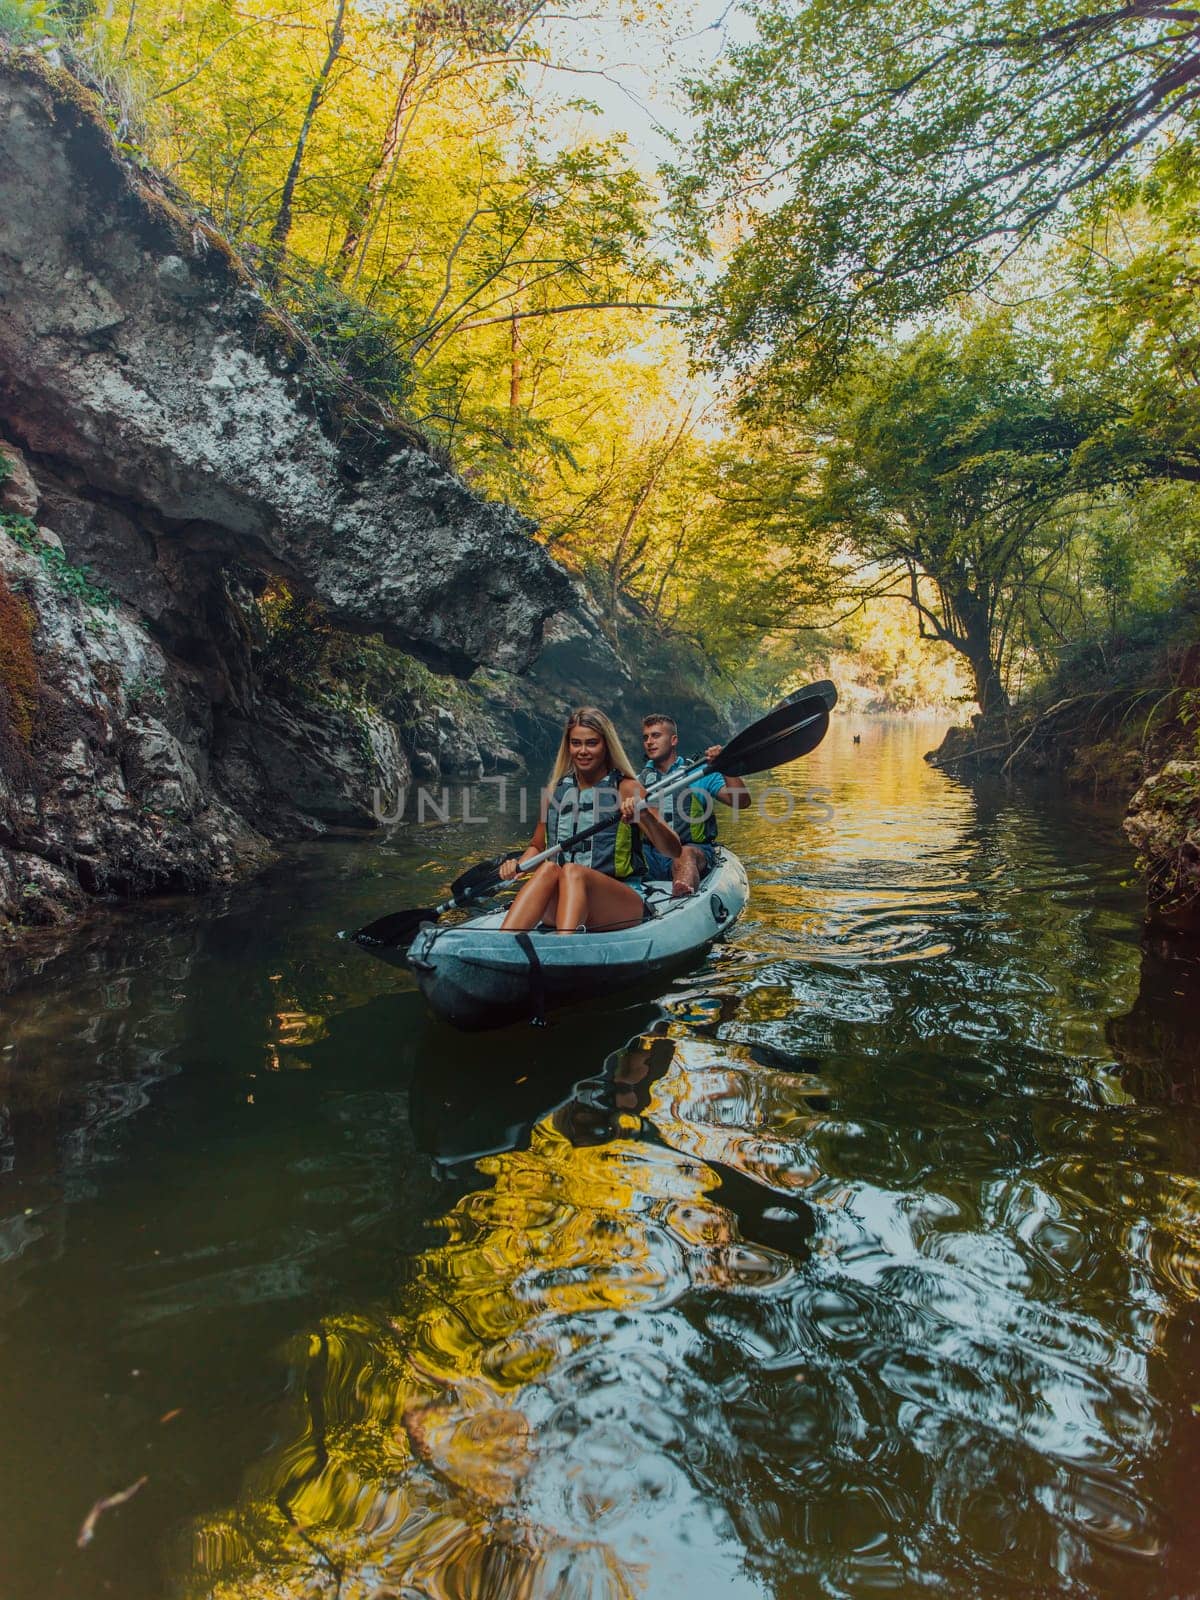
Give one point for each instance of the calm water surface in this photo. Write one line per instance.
(864, 1260)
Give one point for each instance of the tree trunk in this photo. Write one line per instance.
(977, 647)
(365, 202)
(514, 374)
(283, 219)
(669, 446)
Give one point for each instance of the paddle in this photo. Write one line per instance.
(790, 730)
(467, 886)
(471, 884)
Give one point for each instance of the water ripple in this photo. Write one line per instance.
(866, 1260)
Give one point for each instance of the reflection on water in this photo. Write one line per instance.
(866, 1259)
(521, 1416)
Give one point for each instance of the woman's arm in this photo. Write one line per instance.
(509, 869)
(660, 835)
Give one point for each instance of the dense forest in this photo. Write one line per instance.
(894, 360)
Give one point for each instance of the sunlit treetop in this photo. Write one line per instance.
(884, 156)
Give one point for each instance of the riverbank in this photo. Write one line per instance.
(1133, 737)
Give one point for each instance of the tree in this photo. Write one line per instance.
(282, 225)
(949, 458)
(887, 156)
(1134, 360)
(429, 47)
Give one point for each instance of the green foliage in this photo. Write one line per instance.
(1134, 358)
(78, 582)
(295, 639)
(146, 691)
(1188, 712)
(339, 698)
(375, 674)
(948, 458)
(362, 347)
(882, 156)
(301, 654)
(28, 21)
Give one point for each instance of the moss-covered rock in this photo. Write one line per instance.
(18, 677)
(1164, 824)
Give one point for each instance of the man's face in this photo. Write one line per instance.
(659, 742)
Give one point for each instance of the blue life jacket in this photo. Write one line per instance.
(617, 851)
(688, 811)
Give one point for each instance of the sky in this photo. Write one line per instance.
(633, 73)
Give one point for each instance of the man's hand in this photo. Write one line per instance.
(630, 806)
(735, 792)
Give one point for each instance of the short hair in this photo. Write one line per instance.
(655, 717)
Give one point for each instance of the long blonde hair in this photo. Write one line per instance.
(590, 717)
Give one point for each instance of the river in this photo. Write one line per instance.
(863, 1260)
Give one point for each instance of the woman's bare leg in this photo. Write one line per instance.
(536, 902)
(592, 899)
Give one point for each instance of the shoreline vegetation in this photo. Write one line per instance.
(938, 440)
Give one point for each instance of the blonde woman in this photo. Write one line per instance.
(594, 887)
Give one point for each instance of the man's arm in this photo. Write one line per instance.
(733, 792)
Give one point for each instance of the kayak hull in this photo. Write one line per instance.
(474, 976)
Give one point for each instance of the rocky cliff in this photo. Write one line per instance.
(169, 452)
(579, 662)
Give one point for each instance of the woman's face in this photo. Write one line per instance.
(587, 751)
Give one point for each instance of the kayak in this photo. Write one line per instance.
(474, 976)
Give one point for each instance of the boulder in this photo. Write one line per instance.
(1163, 823)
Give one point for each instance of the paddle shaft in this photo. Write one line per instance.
(658, 791)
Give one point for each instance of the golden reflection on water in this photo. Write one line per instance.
(430, 1454)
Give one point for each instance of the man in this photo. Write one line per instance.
(688, 811)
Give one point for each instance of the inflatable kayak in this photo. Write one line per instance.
(474, 976)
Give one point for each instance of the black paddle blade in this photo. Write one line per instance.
(467, 885)
(825, 690)
(757, 743)
(397, 930)
(789, 731)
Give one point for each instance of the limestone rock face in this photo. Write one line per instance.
(98, 795)
(304, 769)
(1163, 823)
(18, 491)
(579, 664)
(171, 447)
(137, 359)
(577, 661)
